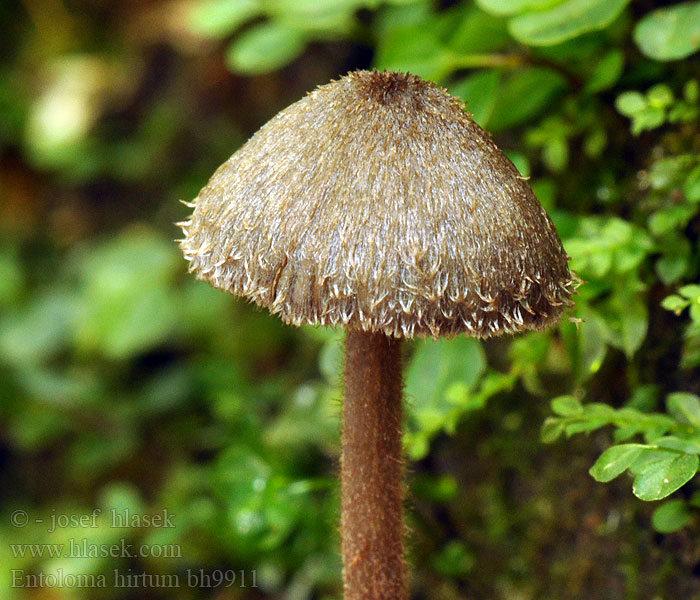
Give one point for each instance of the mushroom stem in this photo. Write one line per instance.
(371, 523)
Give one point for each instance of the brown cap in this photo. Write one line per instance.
(376, 202)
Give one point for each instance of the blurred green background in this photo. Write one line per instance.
(126, 385)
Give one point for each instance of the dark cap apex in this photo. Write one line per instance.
(386, 87)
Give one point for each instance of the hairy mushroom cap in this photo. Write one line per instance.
(376, 202)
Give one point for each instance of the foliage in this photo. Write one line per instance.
(688, 296)
(667, 460)
(670, 33)
(658, 106)
(127, 384)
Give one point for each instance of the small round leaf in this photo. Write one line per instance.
(661, 478)
(670, 33)
(264, 48)
(564, 21)
(614, 461)
(671, 516)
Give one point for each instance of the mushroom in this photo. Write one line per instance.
(376, 203)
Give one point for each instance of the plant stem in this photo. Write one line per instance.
(475, 61)
(371, 521)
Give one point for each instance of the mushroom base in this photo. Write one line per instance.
(372, 470)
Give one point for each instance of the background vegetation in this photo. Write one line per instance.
(126, 384)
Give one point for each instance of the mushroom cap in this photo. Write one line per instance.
(378, 203)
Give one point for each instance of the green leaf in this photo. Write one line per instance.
(606, 72)
(660, 95)
(397, 17)
(670, 33)
(671, 516)
(564, 21)
(458, 393)
(522, 164)
(584, 426)
(40, 330)
(671, 218)
(264, 48)
(415, 48)
(69, 389)
(218, 18)
(680, 112)
(555, 154)
(127, 296)
(635, 322)
(603, 244)
(552, 429)
(479, 91)
(690, 291)
(685, 408)
(434, 369)
(512, 7)
(627, 317)
(454, 560)
(666, 172)
(525, 95)
(663, 477)
(686, 446)
(592, 345)
(478, 32)
(11, 275)
(674, 263)
(400, 3)
(312, 15)
(648, 119)
(567, 406)
(630, 103)
(695, 312)
(691, 91)
(615, 460)
(645, 398)
(330, 360)
(691, 187)
(674, 303)
(436, 364)
(595, 142)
